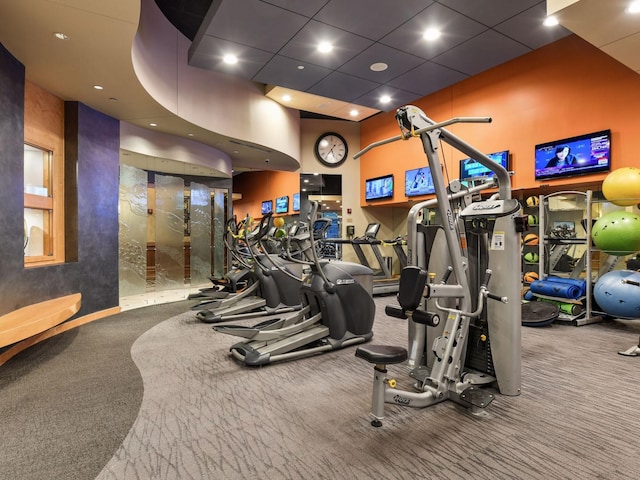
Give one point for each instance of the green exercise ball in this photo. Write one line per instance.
(617, 233)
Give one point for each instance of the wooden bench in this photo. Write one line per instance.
(37, 318)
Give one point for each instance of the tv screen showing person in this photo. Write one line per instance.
(562, 157)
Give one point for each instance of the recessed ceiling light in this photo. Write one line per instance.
(385, 99)
(550, 21)
(431, 34)
(378, 67)
(325, 47)
(153, 124)
(354, 113)
(634, 7)
(190, 134)
(230, 59)
(98, 87)
(61, 36)
(300, 67)
(286, 98)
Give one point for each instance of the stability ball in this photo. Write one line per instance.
(617, 233)
(278, 222)
(622, 186)
(618, 293)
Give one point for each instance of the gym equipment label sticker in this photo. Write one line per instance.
(497, 241)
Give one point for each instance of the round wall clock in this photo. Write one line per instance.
(331, 149)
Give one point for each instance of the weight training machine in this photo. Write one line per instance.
(450, 268)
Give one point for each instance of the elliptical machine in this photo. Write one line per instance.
(338, 310)
(478, 343)
(272, 285)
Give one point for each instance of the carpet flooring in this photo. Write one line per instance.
(204, 416)
(66, 404)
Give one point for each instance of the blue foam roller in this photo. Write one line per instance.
(555, 289)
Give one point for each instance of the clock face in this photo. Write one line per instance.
(331, 149)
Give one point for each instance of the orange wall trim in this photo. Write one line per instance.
(564, 89)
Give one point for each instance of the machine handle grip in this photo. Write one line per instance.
(497, 297)
(487, 277)
(447, 274)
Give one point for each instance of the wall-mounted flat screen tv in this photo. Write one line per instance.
(378, 188)
(282, 204)
(471, 169)
(296, 202)
(267, 207)
(581, 155)
(418, 182)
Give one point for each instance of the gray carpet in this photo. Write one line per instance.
(67, 403)
(204, 416)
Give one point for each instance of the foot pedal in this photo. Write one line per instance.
(477, 397)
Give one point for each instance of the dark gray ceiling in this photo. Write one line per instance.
(274, 38)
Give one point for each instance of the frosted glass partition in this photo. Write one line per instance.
(132, 234)
(200, 227)
(219, 224)
(169, 232)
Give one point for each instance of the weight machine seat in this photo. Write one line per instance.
(382, 354)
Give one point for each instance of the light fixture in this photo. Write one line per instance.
(354, 113)
(190, 134)
(300, 67)
(550, 21)
(385, 99)
(634, 7)
(378, 67)
(325, 47)
(431, 34)
(230, 59)
(98, 87)
(286, 98)
(153, 124)
(61, 36)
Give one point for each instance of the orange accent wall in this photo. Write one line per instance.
(264, 185)
(564, 89)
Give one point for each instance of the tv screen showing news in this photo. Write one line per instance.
(581, 155)
(282, 204)
(379, 188)
(267, 207)
(296, 202)
(418, 182)
(471, 169)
